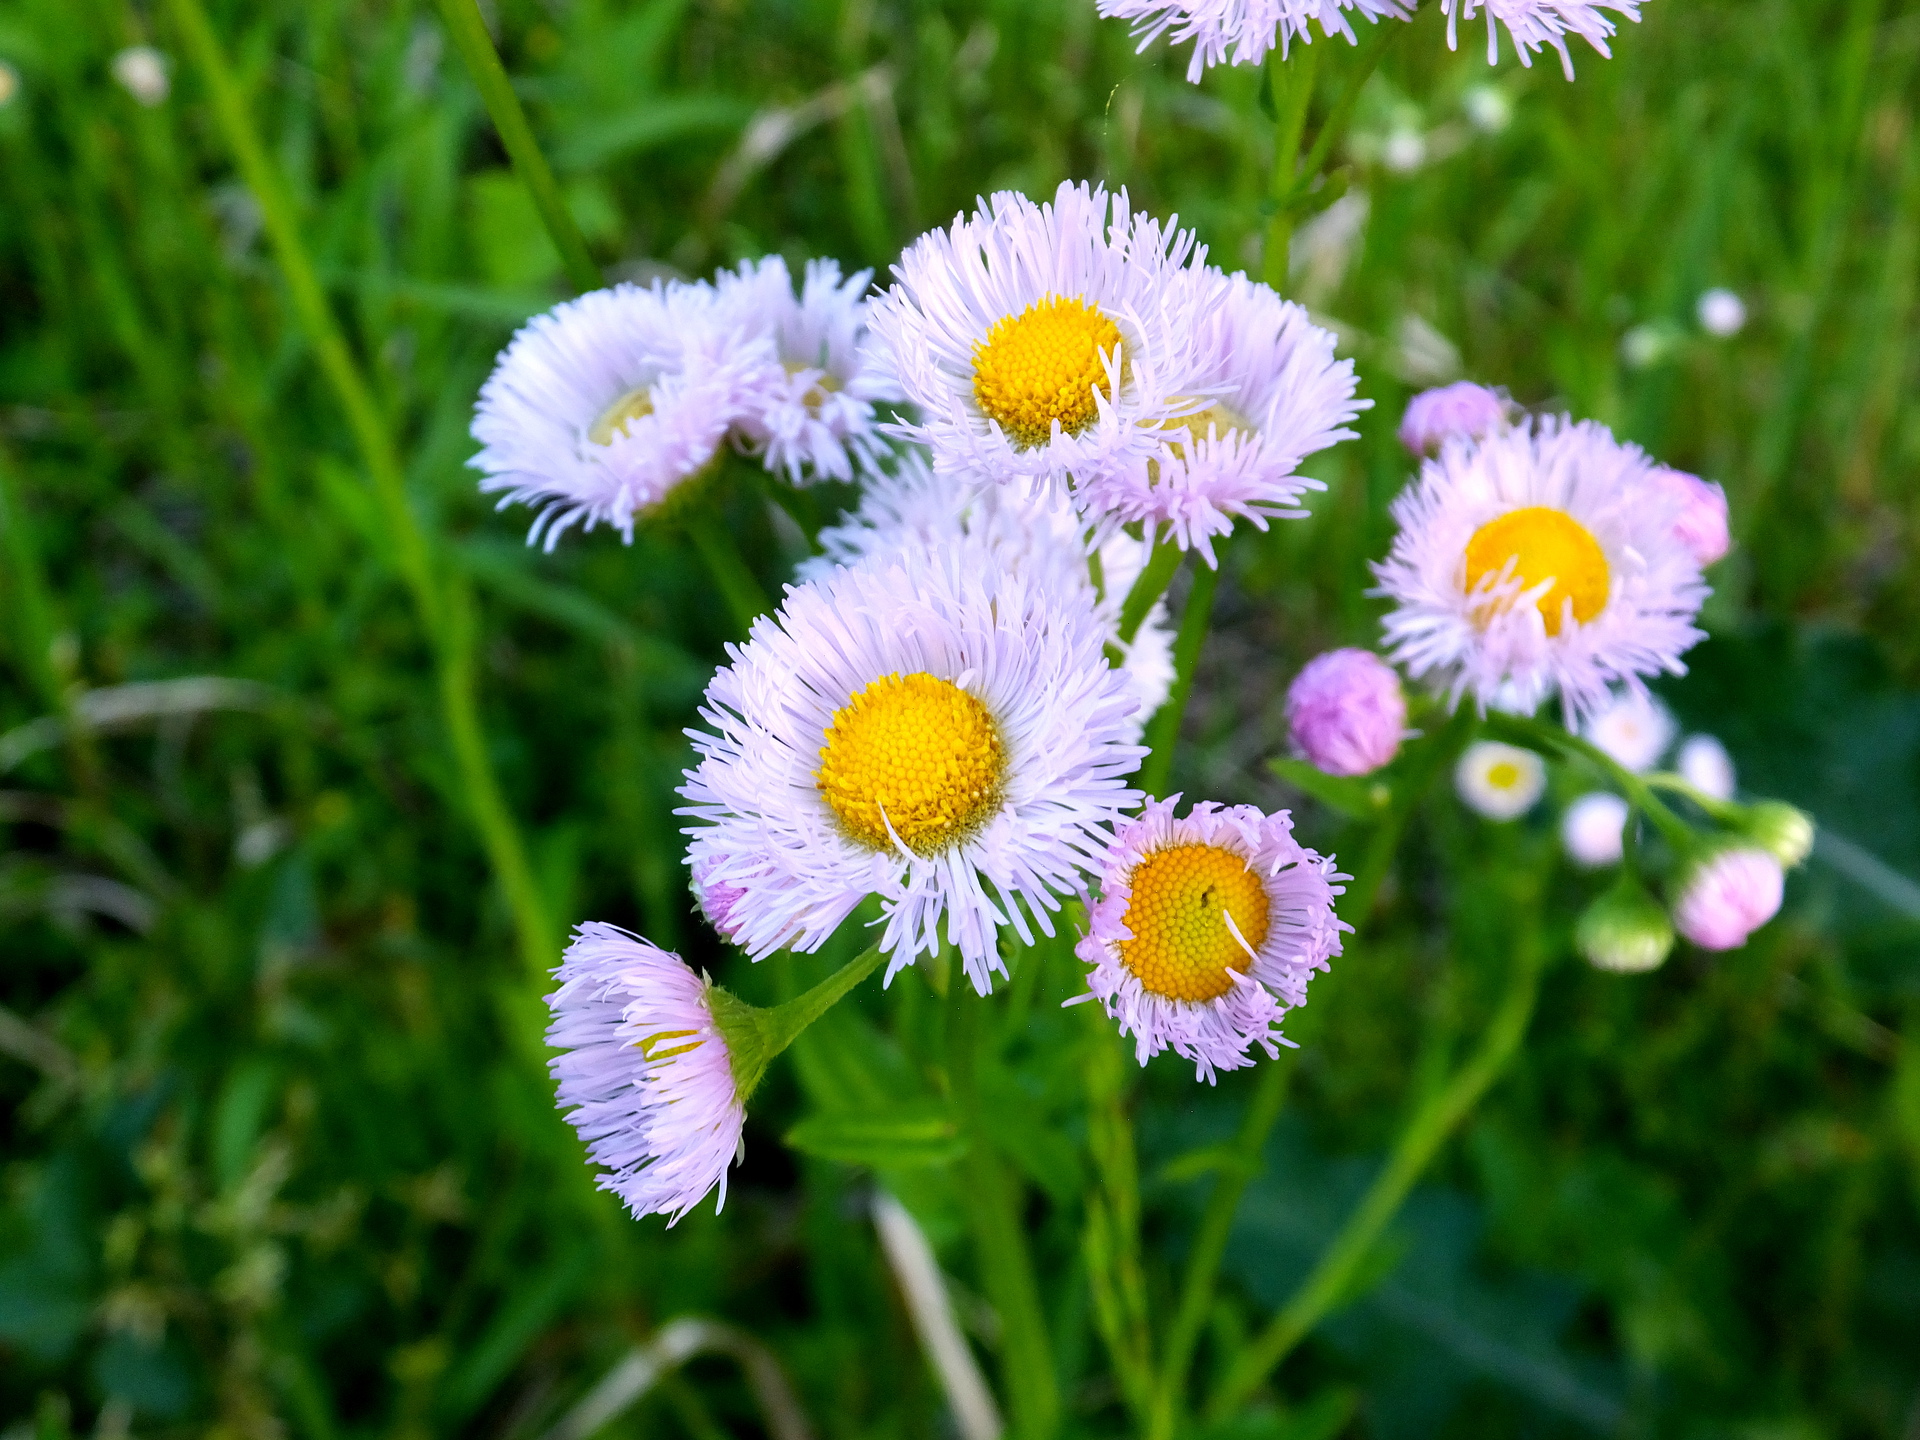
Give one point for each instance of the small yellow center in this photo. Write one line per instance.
(1503, 775)
(817, 392)
(634, 405)
(1543, 544)
(1043, 365)
(918, 753)
(1182, 947)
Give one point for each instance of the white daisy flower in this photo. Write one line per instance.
(1539, 560)
(1498, 781)
(933, 729)
(600, 408)
(1634, 729)
(1541, 24)
(1207, 930)
(1040, 535)
(1269, 393)
(1041, 341)
(1243, 31)
(645, 1072)
(813, 418)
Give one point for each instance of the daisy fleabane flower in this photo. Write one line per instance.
(1243, 31)
(1041, 535)
(1346, 712)
(1541, 560)
(600, 408)
(1041, 341)
(645, 1072)
(1265, 393)
(812, 417)
(1207, 930)
(1537, 25)
(935, 729)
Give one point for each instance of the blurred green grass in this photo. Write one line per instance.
(279, 1158)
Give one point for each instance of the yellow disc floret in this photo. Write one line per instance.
(634, 405)
(1182, 947)
(1544, 544)
(916, 752)
(1043, 365)
(1503, 775)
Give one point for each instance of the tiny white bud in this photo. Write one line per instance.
(1721, 313)
(142, 71)
(1705, 765)
(1594, 830)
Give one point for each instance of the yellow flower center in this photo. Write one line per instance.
(634, 405)
(817, 392)
(1503, 775)
(1543, 544)
(918, 753)
(1043, 365)
(1182, 947)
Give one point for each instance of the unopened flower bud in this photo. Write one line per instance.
(1782, 830)
(1728, 895)
(1700, 514)
(1462, 410)
(1625, 930)
(1703, 763)
(1346, 712)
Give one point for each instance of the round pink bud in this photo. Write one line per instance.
(1346, 712)
(1727, 897)
(717, 900)
(1463, 410)
(1701, 521)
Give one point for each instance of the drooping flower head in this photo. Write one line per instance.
(1041, 341)
(1537, 561)
(1207, 930)
(934, 729)
(1462, 410)
(1726, 897)
(644, 1072)
(812, 417)
(1701, 514)
(1499, 781)
(1346, 712)
(1243, 31)
(1594, 830)
(1633, 729)
(1265, 392)
(1040, 535)
(1542, 24)
(600, 408)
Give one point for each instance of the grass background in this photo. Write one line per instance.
(279, 1156)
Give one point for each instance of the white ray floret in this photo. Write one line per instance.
(1242, 32)
(1207, 930)
(644, 1073)
(933, 729)
(1537, 25)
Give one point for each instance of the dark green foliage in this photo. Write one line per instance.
(279, 1151)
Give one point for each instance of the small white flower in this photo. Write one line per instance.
(143, 73)
(1404, 152)
(1721, 313)
(1488, 109)
(1704, 764)
(1594, 830)
(1498, 781)
(1634, 729)
(934, 729)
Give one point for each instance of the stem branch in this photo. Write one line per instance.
(1163, 731)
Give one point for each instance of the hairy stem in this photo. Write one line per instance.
(1163, 732)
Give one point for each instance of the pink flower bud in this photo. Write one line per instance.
(1464, 409)
(1347, 712)
(1727, 897)
(1701, 524)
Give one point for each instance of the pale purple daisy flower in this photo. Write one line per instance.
(1726, 897)
(1041, 341)
(931, 728)
(1540, 560)
(1701, 521)
(1243, 31)
(1346, 712)
(813, 417)
(1207, 930)
(1264, 392)
(1461, 410)
(1594, 830)
(1542, 24)
(1633, 729)
(598, 409)
(644, 1073)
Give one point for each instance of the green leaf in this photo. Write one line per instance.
(1351, 795)
(902, 1137)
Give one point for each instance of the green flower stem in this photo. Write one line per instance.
(1292, 82)
(1163, 732)
(1334, 127)
(1330, 1283)
(490, 78)
(444, 614)
(724, 562)
(756, 1035)
(1538, 735)
(1725, 811)
(1111, 1245)
(992, 1199)
(1163, 558)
